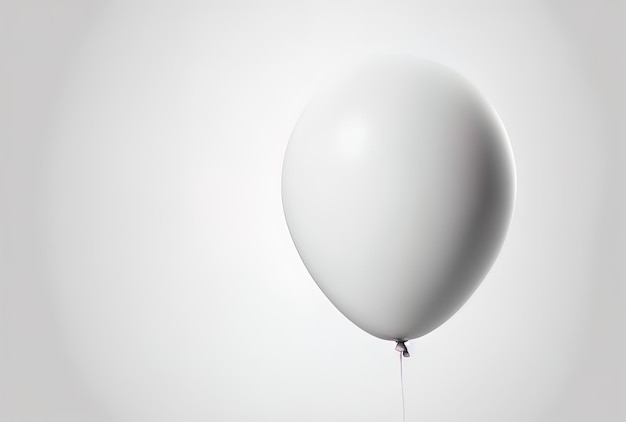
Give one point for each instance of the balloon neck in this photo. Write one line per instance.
(401, 347)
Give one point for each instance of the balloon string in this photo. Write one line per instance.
(402, 389)
(404, 352)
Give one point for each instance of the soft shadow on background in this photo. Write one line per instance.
(146, 271)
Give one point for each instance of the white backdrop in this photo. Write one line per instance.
(146, 271)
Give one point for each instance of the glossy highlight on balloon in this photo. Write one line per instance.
(398, 188)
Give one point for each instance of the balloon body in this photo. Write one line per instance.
(398, 187)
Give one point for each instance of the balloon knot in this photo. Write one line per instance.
(401, 347)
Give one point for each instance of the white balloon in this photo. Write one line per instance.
(398, 187)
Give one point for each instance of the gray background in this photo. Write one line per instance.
(146, 271)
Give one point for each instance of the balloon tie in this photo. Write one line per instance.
(401, 347)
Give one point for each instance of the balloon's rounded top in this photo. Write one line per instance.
(398, 188)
